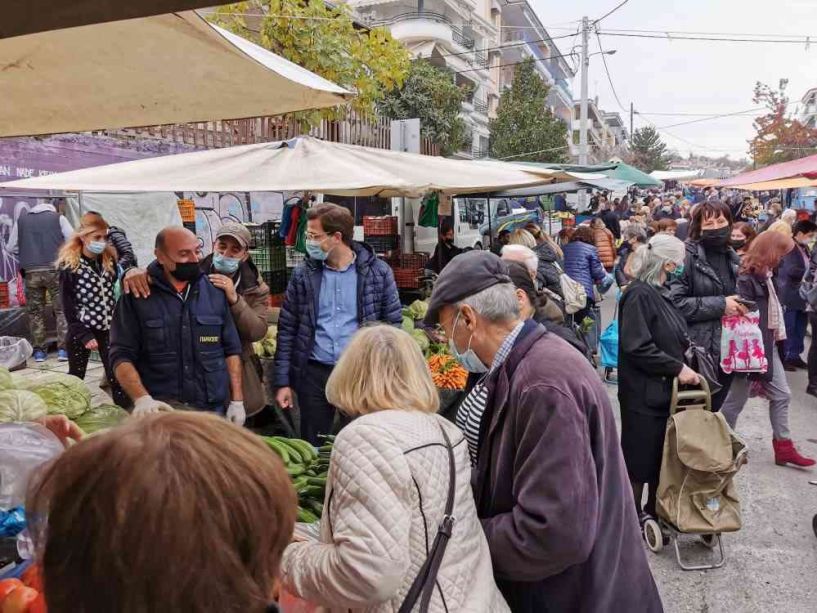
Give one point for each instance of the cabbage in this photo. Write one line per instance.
(421, 338)
(408, 324)
(21, 405)
(418, 309)
(101, 417)
(6, 381)
(63, 394)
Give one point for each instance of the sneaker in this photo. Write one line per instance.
(40, 355)
(62, 355)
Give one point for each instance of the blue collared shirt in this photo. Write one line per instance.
(337, 313)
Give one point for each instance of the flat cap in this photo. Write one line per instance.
(237, 231)
(467, 274)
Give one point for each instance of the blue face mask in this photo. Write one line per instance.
(469, 360)
(225, 264)
(97, 247)
(313, 249)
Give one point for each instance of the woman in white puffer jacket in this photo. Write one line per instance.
(387, 490)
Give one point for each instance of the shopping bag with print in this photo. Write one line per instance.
(742, 344)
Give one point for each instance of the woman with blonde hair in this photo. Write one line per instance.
(522, 237)
(399, 478)
(87, 265)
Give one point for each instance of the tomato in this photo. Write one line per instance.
(20, 600)
(33, 578)
(38, 606)
(7, 586)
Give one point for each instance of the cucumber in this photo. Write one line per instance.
(307, 516)
(294, 452)
(281, 450)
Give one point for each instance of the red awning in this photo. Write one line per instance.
(804, 167)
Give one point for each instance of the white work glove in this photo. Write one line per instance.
(236, 413)
(146, 405)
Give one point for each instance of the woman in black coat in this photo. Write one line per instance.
(652, 341)
(706, 291)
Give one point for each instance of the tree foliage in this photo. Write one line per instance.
(525, 128)
(779, 138)
(648, 152)
(430, 94)
(325, 40)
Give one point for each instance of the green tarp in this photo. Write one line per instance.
(612, 170)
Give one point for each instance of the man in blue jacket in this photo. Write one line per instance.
(341, 286)
(178, 345)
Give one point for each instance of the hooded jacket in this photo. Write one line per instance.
(549, 268)
(377, 300)
(551, 488)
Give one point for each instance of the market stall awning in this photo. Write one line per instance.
(806, 167)
(789, 183)
(703, 182)
(33, 16)
(166, 69)
(675, 175)
(613, 170)
(300, 164)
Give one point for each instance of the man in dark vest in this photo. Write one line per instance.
(35, 239)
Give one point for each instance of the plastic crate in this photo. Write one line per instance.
(407, 278)
(379, 226)
(383, 244)
(416, 261)
(276, 300)
(4, 295)
(267, 249)
(276, 280)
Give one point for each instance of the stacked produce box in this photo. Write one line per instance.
(268, 251)
(381, 234)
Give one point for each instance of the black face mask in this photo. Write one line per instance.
(737, 244)
(187, 271)
(716, 238)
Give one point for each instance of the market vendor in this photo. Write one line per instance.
(231, 270)
(446, 250)
(549, 482)
(179, 347)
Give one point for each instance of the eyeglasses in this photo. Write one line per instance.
(313, 237)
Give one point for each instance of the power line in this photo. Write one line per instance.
(669, 37)
(711, 117)
(607, 71)
(505, 46)
(611, 11)
(695, 32)
(511, 63)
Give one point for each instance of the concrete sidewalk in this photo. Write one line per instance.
(771, 563)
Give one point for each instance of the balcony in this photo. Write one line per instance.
(414, 25)
(481, 59)
(480, 106)
(461, 38)
(479, 152)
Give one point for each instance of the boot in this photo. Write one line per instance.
(786, 453)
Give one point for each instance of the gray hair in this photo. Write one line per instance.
(522, 254)
(649, 261)
(635, 230)
(497, 303)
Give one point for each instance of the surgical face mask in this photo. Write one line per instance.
(469, 360)
(97, 247)
(716, 238)
(187, 271)
(678, 272)
(225, 264)
(313, 248)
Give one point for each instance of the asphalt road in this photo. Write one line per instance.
(771, 563)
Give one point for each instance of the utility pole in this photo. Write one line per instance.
(631, 120)
(584, 92)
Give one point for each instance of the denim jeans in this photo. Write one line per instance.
(796, 322)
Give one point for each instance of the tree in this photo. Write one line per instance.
(648, 151)
(779, 138)
(525, 128)
(430, 94)
(323, 38)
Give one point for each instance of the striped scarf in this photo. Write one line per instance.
(776, 321)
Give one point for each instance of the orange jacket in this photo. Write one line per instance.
(606, 245)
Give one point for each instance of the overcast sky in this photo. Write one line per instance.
(662, 76)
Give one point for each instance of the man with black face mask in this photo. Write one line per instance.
(178, 347)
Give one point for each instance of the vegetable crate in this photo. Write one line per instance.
(383, 244)
(4, 295)
(187, 209)
(408, 268)
(267, 249)
(380, 226)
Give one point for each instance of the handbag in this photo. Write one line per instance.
(423, 585)
(808, 291)
(702, 363)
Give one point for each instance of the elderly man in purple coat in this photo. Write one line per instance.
(550, 484)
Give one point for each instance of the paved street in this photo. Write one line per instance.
(772, 562)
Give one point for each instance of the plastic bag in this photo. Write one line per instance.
(608, 345)
(742, 347)
(14, 351)
(24, 447)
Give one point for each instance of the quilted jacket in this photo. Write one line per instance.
(377, 300)
(549, 268)
(385, 498)
(606, 246)
(582, 264)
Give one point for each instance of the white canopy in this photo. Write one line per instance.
(675, 175)
(300, 164)
(172, 68)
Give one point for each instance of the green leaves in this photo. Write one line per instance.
(430, 94)
(524, 126)
(648, 151)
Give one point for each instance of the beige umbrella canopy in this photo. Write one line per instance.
(165, 69)
(301, 164)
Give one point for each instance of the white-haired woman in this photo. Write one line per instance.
(652, 341)
(387, 491)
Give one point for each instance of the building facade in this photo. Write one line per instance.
(459, 35)
(606, 134)
(808, 108)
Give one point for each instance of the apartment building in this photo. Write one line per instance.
(808, 108)
(460, 35)
(606, 134)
